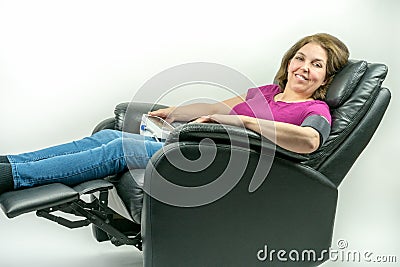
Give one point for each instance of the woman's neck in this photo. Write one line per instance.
(289, 97)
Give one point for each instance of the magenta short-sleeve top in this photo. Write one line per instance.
(260, 103)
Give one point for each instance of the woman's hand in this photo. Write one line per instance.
(165, 113)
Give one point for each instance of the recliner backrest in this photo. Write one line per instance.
(357, 104)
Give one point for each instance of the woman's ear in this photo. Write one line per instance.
(325, 81)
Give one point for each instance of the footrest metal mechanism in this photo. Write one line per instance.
(96, 212)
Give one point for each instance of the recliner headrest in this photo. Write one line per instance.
(344, 82)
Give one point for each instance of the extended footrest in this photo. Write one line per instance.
(15, 203)
(50, 198)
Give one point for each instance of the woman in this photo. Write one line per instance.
(300, 122)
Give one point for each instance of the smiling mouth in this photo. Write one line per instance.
(301, 77)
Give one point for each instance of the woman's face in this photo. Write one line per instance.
(307, 69)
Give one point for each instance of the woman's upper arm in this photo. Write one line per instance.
(224, 107)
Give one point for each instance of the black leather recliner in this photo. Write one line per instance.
(293, 210)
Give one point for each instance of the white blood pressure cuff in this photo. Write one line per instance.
(320, 124)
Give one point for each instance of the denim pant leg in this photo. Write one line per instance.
(96, 140)
(93, 163)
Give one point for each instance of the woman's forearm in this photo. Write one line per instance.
(193, 111)
(291, 137)
(190, 111)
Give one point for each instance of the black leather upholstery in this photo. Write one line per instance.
(15, 203)
(130, 189)
(344, 83)
(135, 112)
(293, 208)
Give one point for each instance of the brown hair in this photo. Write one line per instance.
(337, 52)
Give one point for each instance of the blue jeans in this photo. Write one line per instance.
(104, 153)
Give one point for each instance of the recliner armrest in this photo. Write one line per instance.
(128, 115)
(233, 135)
(294, 208)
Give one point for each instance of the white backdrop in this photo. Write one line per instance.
(64, 65)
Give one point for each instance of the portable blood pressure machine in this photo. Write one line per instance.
(155, 126)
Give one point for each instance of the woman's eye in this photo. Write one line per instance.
(299, 58)
(317, 64)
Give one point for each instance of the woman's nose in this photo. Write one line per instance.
(305, 67)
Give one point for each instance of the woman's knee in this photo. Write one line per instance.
(108, 133)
